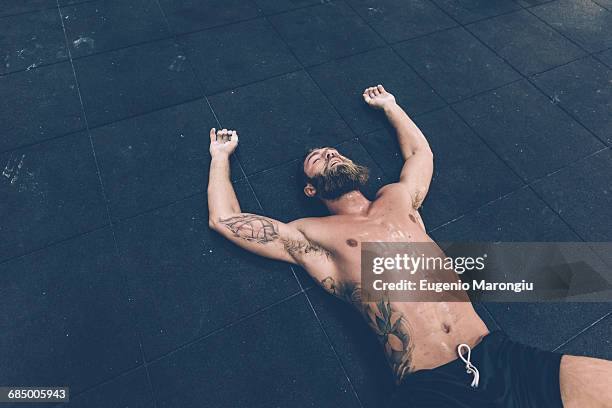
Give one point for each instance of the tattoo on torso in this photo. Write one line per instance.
(391, 326)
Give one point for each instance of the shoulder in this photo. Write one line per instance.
(401, 194)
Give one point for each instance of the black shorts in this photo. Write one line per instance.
(512, 375)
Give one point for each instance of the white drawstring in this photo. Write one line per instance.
(469, 367)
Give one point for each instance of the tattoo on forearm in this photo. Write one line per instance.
(253, 228)
(394, 333)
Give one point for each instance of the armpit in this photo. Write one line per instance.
(417, 199)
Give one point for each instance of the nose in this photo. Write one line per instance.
(329, 154)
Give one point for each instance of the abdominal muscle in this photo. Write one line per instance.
(422, 335)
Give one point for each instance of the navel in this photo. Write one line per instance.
(446, 328)
(351, 242)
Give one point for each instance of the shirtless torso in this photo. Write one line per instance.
(429, 332)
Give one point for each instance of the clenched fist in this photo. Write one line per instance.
(223, 142)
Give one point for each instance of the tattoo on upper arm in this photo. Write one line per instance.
(303, 247)
(262, 230)
(251, 227)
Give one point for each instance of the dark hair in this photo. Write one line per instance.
(302, 174)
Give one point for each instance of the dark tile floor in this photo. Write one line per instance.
(113, 283)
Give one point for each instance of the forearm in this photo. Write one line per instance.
(409, 136)
(222, 201)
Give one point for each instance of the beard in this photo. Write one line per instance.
(343, 178)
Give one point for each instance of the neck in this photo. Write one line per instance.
(352, 202)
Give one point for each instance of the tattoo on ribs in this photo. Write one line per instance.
(391, 326)
(349, 291)
(251, 227)
(394, 333)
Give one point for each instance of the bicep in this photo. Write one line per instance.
(262, 235)
(416, 176)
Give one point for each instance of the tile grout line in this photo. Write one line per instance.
(582, 331)
(528, 78)
(53, 243)
(475, 210)
(172, 35)
(205, 96)
(351, 132)
(191, 342)
(525, 77)
(36, 10)
(186, 197)
(444, 99)
(201, 85)
(333, 348)
(107, 205)
(225, 327)
(603, 6)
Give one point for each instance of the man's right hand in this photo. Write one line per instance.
(223, 142)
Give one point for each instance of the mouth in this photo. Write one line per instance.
(334, 162)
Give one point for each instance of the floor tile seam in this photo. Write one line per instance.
(524, 76)
(334, 351)
(222, 328)
(582, 331)
(37, 10)
(54, 243)
(118, 254)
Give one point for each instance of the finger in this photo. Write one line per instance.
(235, 136)
(371, 93)
(222, 135)
(376, 91)
(380, 88)
(213, 135)
(367, 98)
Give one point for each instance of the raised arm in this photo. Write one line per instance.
(418, 158)
(261, 235)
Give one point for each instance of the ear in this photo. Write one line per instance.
(310, 191)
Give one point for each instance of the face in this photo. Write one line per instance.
(331, 175)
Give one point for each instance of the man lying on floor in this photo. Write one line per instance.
(441, 353)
